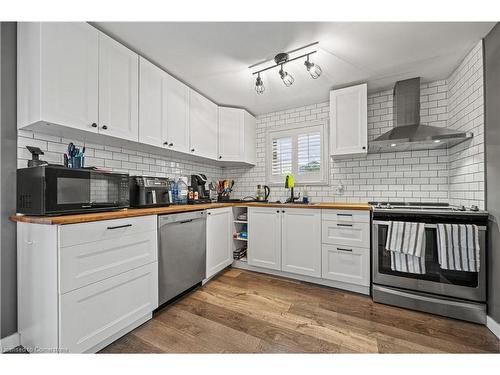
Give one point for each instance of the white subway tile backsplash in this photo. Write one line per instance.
(455, 176)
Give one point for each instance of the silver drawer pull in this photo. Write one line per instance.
(343, 249)
(344, 214)
(120, 226)
(344, 225)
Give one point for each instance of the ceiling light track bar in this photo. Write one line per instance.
(288, 52)
(286, 62)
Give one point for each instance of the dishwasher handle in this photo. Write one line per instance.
(182, 218)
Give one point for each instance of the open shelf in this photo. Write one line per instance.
(240, 239)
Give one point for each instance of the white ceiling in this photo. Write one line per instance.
(213, 57)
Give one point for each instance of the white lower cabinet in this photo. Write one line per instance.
(301, 241)
(346, 246)
(81, 286)
(346, 264)
(219, 235)
(90, 315)
(264, 237)
(285, 239)
(331, 247)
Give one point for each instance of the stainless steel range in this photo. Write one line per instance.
(457, 294)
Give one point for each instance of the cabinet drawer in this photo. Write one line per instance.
(86, 263)
(350, 234)
(347, 216)
(91, 314)
(346, 264)
(75, 234)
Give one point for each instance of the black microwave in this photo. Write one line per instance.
(57, 190)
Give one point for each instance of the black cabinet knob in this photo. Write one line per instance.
(220, 157)
(364, 148)
(170, 144)
(283, 211)
(94, 125)
(192, 150)
(104, 127)
(277, 211)
(165, 143)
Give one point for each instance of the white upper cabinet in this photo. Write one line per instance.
(152, 108)
(249, 156)
(177, 108)
(236, 135)
(164, 109)
(58, 74)
(348, 121)
(301, 241)
(73, 78)
(202, 126)
(118, 90)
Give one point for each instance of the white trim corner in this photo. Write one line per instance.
(9, 342)
(493, 326)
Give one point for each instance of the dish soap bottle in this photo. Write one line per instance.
(305, 195)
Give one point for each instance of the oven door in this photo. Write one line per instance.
(457, 284)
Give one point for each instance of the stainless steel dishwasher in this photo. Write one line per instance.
(181, 253)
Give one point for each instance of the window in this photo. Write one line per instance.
(300, 151)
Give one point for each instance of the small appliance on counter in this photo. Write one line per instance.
(35, 157)
(200, 194)
(262, 193)
(149, 191)
(57, 190)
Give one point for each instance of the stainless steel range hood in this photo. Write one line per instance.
(408, 133)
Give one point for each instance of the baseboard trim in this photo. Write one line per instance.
(333, 284)
(9, 342)
(493, 326)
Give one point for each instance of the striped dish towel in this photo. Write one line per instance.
(405, 241)
(458, 247)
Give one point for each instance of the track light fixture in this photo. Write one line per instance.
(280, 60)
(259, 85)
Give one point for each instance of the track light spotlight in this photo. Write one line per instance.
(313, 69)
(259, 85)
(287, 78)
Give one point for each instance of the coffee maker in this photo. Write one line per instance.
(200, 191)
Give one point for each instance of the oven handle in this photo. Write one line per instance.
(380, 222)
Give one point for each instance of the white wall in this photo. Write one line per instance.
(455, 176)
(466, 113)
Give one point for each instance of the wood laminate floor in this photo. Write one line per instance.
(246, 312)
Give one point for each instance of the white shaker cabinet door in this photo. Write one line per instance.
(69, 73)
(152, 116)
(176, 108)
(231, 134)
(346, 264)
(349, 121)
(264, 237)
(202, 126)
(91, 314)
(301, 241)
(218, 240)
(118, 90)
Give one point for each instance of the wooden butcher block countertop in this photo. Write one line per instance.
(133, 212)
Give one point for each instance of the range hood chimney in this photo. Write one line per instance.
(408, 133)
